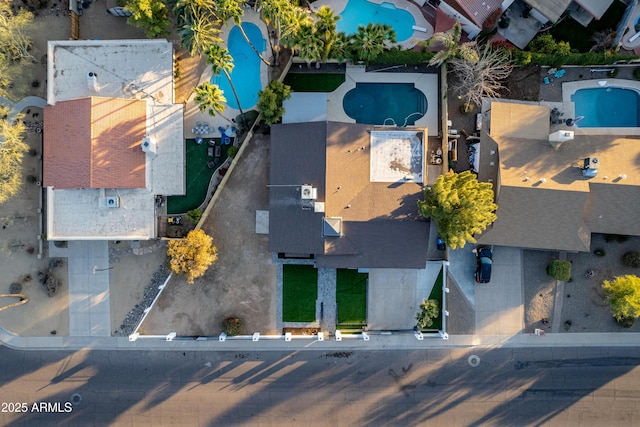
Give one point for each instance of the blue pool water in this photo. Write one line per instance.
(361, 12)
(607, 107)
(246, 70)
(385, 104)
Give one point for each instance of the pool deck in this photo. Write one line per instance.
(567, 106)
(631, 32)
(419, 35)
(193, 114)
(426, 83)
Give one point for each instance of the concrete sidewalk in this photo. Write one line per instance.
(398, 340)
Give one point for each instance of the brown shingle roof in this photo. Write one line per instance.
(561, 212)
(95, 143)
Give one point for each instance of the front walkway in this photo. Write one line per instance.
(89, 309)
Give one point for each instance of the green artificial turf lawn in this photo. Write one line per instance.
(312, 82)
(299, 293)
(351, 296)
(198, 176)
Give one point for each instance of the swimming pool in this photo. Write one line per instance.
(246, 67)
(607, 107)
(361, 12)
(385, 104)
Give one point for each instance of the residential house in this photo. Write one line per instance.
(113, 138)
(346, 195)
(526, 17)
(555, 187)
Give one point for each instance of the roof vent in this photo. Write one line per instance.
(92, 82)
(149, 145)
(112, 202)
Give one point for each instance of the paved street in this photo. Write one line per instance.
(525, 386)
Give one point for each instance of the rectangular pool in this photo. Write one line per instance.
(606, 107)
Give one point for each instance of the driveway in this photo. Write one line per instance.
(394, 295)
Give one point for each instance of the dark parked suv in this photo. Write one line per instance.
(484, 259)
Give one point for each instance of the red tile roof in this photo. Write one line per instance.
(94, 143)
(477, 10)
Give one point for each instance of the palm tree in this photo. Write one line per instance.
(221, 61)
(452, 47)
(326, 27)
(369, 41)
(603, 40)
(274, 12)
(291, 24)
(211, 99)
(309, 44)
(230, 9)
(342, 47)
(196, 36)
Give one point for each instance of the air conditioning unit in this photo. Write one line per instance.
(306, 192)
(112, 202)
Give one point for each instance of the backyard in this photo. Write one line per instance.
(299, 293)
(201, 164)
(351, 297)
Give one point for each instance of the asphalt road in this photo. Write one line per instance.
(564, 387)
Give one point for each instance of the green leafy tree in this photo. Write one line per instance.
(275, 12)
(193, 255)
(270, 101)
(221, 61)
(429, 310)
(12, 150)
(150, 15)
(451, 47)
(545, 43)
(623, 294)
(210, 98)
(369, 41)
(460, 205)
(194, 215)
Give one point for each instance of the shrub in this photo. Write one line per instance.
(623, 294)
(559, 270)
(599, 252)
(15, 288)
(232, 326)
(631, 259)
(396, 57)
(194, 215)
(232, 151)
(429, 310)
(636, 73)
(466, 108)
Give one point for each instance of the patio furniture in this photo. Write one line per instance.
(559, 74)
(210, 151)
(546, 80)
(199, 141)
(218, 151)
(552, 70)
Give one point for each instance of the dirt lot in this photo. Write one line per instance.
(242, 283)
(523, 84)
